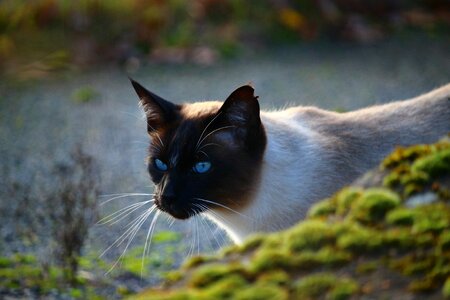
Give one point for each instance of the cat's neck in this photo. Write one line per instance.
(291, 147)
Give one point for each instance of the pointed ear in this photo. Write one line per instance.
(159, 112)
(242, 108)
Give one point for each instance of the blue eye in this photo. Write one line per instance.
(160, 165)
(202, 167)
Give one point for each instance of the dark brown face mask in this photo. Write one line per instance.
(203, 156)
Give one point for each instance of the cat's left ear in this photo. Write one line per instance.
(159, 112)
(242, 108)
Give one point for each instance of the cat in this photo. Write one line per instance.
(254, 171)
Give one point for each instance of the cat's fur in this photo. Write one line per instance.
(269, 167)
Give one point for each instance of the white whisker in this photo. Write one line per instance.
(198, 235)
(203, 225)
(206, 145)
(126, 210)
(221, 128)
(148, 240)
(208, 225)
(128, 231)
(206, 128)
(191, 247)
(124, 195)
(130, 239)
(224, 206)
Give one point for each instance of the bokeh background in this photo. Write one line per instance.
(73, 141)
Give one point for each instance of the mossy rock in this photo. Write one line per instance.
(389, 240)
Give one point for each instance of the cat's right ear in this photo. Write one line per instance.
(159, 112)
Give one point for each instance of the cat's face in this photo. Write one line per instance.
(203, 155)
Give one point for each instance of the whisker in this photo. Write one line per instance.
(203, 225)
(204, 153)
(221, 219)
(198, 235)
(208, 225)
(224, 206)
(147, 245)
(127, 232)
(126, 210)
(130, 239)
(221, 128)
(172, 221)
(209, 144)
(121, 194)
(158, 137)
(191, 247)
(124, 195)
(206, 128)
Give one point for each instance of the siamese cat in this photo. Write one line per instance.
(255, 171)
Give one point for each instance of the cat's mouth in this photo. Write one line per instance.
(181, 212)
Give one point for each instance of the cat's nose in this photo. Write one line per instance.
(168, 199)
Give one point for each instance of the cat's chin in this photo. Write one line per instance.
(179, 214)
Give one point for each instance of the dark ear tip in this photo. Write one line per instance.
(138, 88)
(245, 92)
(248, 87)
(136, 85)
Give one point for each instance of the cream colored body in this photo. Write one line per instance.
(311, 153)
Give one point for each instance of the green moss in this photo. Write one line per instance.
(414, 169)
(270, 259)
(322, 209)
(325, 257)
(325, 284)
(315, 285)
(423, 285)
(277, 277)
(225, 288)
(374, 204)
(402, 155)
(412, 264)
(358, 239)
(251, 243)
(345, 199)
(173, 276)
(399, 238)
(432, 218)
(444, 241)
(367, 267)
(163, 295)
(5, 262)
(392, 179)
(446, 289)
(208, 274)
(435, 164)
(196, 261)
(400, 216)
(262, 292)
(311, 234)
(345, 289)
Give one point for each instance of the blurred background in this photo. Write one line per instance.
(73, 140)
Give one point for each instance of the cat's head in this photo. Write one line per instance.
(203, 155)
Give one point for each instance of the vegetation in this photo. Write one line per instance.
(379, 241)
(89, 32)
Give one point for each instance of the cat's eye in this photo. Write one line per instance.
(160, 165)
(202, 167)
